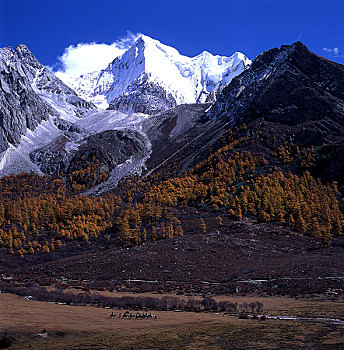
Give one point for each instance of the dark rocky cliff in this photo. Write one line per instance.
(20, 106)
(290, 85)
(22, 80)
(143, 96)
(289, 95)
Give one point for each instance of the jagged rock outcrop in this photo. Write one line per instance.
(110, 148)
(290, 85)
(20, 107)
(289, 96)
(43, 80)
(38, 75)
(143, 96)
(53, 158)
(30, 93)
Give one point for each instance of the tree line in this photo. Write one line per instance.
(165, 303)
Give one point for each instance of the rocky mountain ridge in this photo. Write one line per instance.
(286, 95)
(36, 107)
(20, 107)
(29, 94)
(289, 85)
(289, 97)
(151, 77)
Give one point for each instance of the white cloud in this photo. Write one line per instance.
(332, 52)
(89, 57)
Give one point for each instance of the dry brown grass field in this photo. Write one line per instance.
(81, 327)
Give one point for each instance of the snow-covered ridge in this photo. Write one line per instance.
(186, 79)
(145, 79)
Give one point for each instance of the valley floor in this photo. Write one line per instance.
(246, 262)
(83, 327)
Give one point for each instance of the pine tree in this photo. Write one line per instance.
(202, 226)
(300, 224)
(219, 221)
(154, 234)
(144, 235)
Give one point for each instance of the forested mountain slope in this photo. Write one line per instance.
(256, 153)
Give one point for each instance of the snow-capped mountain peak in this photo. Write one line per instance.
(151, 76)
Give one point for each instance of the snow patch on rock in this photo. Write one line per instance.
(187, 79)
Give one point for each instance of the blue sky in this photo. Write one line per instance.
(220, 27)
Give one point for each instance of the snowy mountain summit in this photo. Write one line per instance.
(150, 77)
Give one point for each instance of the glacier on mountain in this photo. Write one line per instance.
(161, 72)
